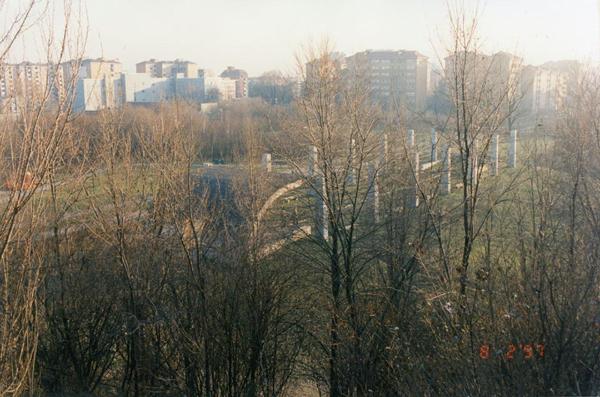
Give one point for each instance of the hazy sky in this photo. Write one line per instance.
(260, 35)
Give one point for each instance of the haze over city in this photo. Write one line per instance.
(264, 35)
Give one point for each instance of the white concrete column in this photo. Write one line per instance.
(472, 167)
(512, 149)
(266, 162)
(447, 170)
(410, 139)
(415, 191)
(494, 165)
(352, 170)
(383, 151)
(322, 214)
(319, 193)
(373, 194)
(313, 157)
(433, 145)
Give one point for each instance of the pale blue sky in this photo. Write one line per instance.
(260, 35)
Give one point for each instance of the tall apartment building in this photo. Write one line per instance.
(497, 71)
(143, 88)
(100, 68)
(23, 84)
(547, 87)
(543, 90)
(572, 72)
(506, 67)
(217, 88)
(158, 81)
(98, 86)
(396, 77)
(436, 79)
(168, 68)
(241, 80)
(329, 67)
(494, 79)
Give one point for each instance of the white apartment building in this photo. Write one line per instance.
(168, 68)
(23, 85)
(546, 88)
(217, 88)
(101, 84)
(543, 89)
(499, 72)
(98, 86)
(143, 88)
(241, 80)
(189, 89)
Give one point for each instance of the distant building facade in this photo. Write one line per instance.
(547, 88)
(393, 78)
(241, 80)
(498, 72)
(543, 89)
(168, 69)
(143, 88)
(492, 80)
(98, 86)
(217, 88)
(396, 77)
(92, 83)
(274, 88)
(331, 66)
(23, 84)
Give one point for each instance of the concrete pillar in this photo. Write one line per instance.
(512, 149)
(475, 166)
(352, 170)
(494, 165)
(319, 193)
(415, 191)
(383, 151)
(447, 171)
(312, 161)
(410, 139)
(373, 194)
(266, 162)
(433, 145)
(472, 166)
(322, 214)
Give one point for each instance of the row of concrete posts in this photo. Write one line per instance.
(472, 169)
(317, 178)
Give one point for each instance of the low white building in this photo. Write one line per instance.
(143, 88)
(190, 89)
(96, 94)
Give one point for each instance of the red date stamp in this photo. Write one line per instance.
(526, 351)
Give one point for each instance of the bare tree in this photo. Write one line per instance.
(34, 139)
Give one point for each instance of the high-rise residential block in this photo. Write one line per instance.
(395, 77)
(168, 68)
(546, 88)
(98, 86)
(24, 85)
(217, 88)
(241, 80)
